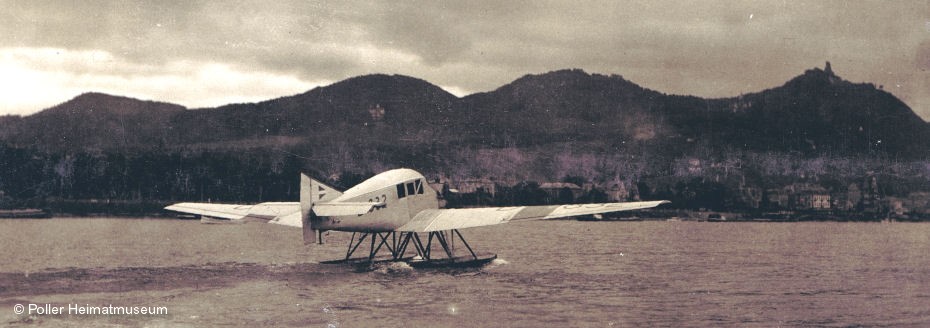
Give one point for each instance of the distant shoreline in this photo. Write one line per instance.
(780, 216)
(642, 215)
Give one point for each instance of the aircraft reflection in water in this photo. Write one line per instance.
(392, 210)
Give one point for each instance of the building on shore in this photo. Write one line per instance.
(562, 191)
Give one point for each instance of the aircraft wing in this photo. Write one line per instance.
(460, 218)
(291, 220)
(273, 211)
(224, 211)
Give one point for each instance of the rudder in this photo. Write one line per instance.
(312, 192)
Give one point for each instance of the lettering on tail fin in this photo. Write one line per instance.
(312, 192)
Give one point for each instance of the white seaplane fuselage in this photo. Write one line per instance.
(391, 199)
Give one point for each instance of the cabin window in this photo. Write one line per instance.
(419, 186)
(401, 192)
(410, 188)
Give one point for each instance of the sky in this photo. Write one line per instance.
(206, 54)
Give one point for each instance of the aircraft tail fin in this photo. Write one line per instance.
(312, 192)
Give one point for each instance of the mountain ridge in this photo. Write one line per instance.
(77, 123)
(814, 113)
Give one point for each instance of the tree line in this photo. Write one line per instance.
(97, 179)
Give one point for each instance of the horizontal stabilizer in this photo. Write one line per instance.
(343, 208)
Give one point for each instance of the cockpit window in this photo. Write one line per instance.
(401, 192)
(410, 188)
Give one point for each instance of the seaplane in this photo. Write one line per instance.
(392, 211)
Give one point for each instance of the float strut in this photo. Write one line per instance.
(402, 248)
(445, 245)
(384, 242)
(353, 248)
(456, 231)
(422, 251)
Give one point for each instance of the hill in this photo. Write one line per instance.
(94, 121)
(820, 113)
(813, 114)
(335, 111)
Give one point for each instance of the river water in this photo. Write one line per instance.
(549, 273)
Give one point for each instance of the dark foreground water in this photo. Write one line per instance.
(550, 273)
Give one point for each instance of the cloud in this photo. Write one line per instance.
(704, 48)
(48, 76)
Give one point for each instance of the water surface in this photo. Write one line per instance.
(551, 273)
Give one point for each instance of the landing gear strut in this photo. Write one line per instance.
(397, 243)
